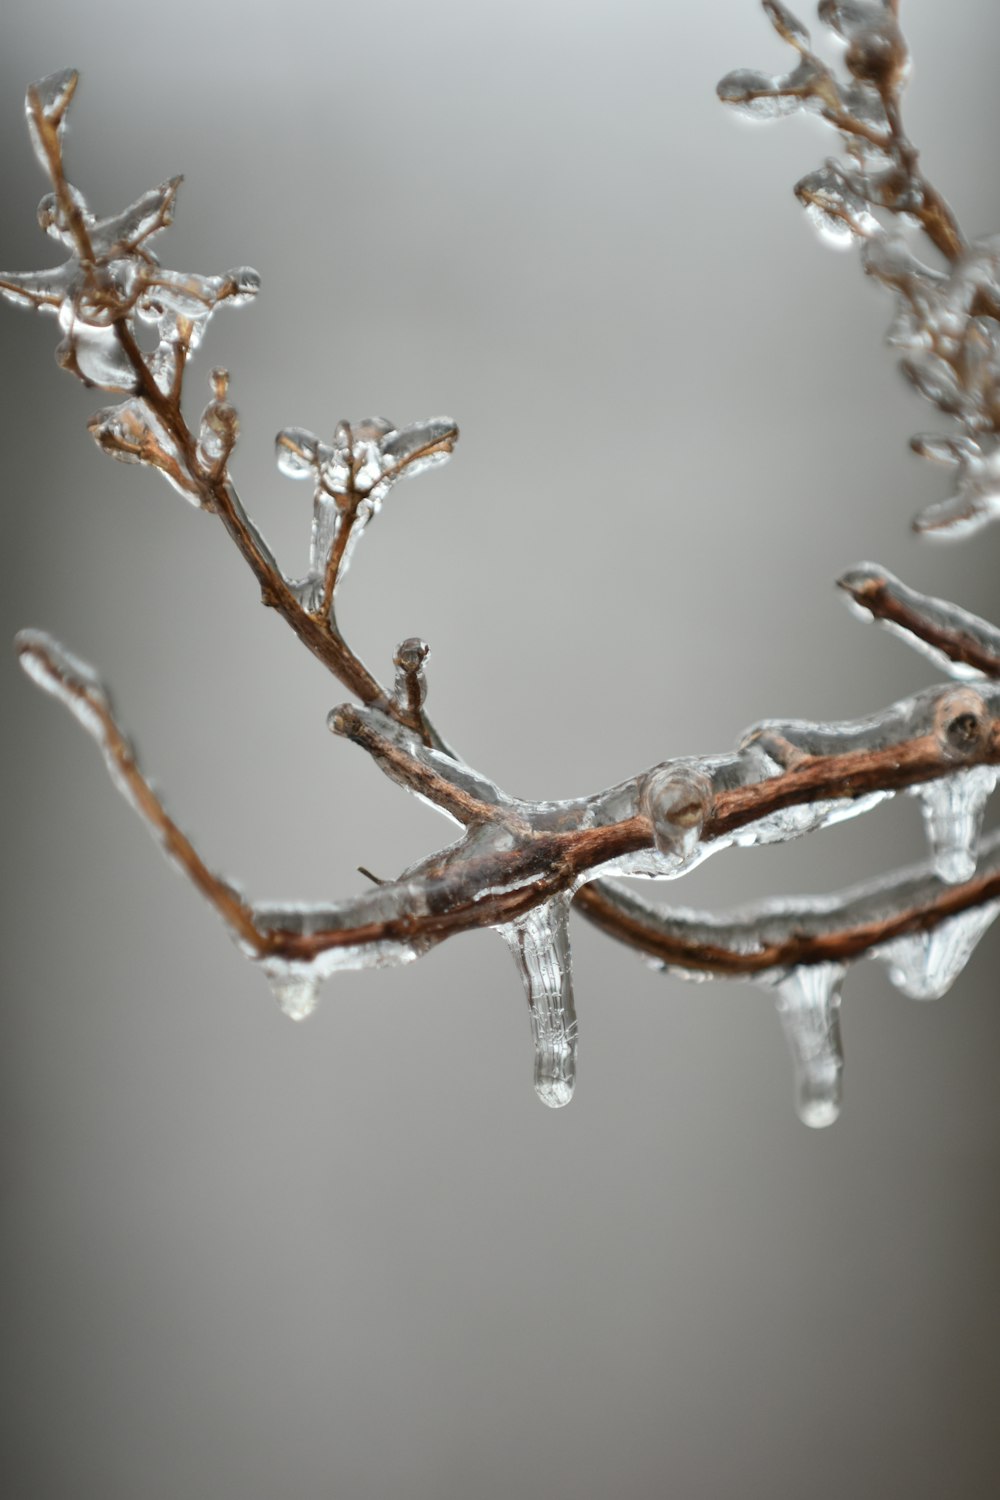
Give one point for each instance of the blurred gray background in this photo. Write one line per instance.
(356, 1258)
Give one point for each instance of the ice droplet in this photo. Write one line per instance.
(840, 215)
(539, 943)
(953, 807)
(809, 1008)
(677, 799)
(925, 965)
(296, 452)
(296, 994)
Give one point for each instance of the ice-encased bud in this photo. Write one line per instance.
(840, 215)
(244, 284)
(925, 965)
(761, 96)
(539, 944)
(677, 800)
(788, 27)
(808, 1000)
(410, 689)
(220, 427)
(953, 808)
(962, 723)
(296, 452)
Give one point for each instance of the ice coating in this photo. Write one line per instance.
(838, 211)
(296, 994)
(518, 863)
(133, 434)
(809, 1008)
(925, 965)
(46, 103)
(351, 477)
(788, 27)
(959, 642)
(953, 809)
(540, 948)
(946, 322)
(112, 275)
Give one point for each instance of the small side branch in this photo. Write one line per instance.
(950, 636)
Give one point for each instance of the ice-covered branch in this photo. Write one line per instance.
(955, 640)
(518, 864)
(112, 279)
(947, 321)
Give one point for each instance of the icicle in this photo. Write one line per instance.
(539, 943)
(808, 1004)
(296, 994)
(953, 813)
(925, 965)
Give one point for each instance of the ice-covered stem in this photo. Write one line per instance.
(790, 933)
(866, 110)
(953, 638)
(515, 856)
(112, 278)
(947, 322)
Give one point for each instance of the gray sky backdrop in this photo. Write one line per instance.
(356, 1258)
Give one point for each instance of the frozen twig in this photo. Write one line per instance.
(517, 865)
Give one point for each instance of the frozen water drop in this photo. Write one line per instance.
(839, 213)
(809, 1008)
(296, 451)
(925, 965)
(677, 799)
(296, 994)
(539, 943)
(245, 283)
(953, 809)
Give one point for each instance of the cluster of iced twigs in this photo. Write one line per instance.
(947, 320)
(517, 866)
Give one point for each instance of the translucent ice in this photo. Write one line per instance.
(809, 1008)
(953, 809)
(840, 214)
(295, 993)
(924, 965)
(761, 96)
(958, 642)
(133, 434)
(789, 27)
(50, 98)
(539, 943)
(94, 352)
